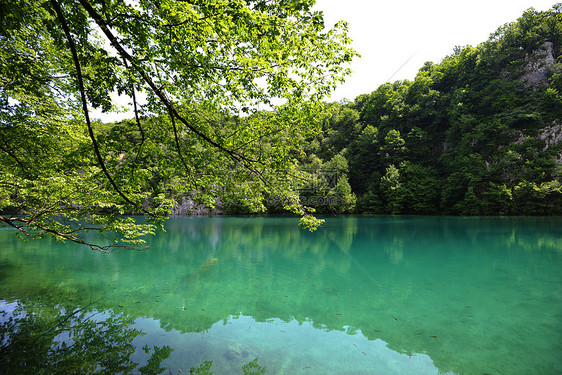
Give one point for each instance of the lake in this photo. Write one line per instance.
(362, 295)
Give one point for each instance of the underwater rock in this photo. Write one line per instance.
(236, 352)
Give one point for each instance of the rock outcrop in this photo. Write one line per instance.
(540, 64)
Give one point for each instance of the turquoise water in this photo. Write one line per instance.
(363, 295)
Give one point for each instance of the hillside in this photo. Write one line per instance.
(476, 134)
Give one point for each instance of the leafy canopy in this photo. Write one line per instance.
(204, 68)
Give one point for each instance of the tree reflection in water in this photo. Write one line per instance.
(37, 337)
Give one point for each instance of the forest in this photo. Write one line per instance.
(476, 134)
(235, 120)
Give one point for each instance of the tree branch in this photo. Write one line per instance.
(145, 76)
(80, 79)
(13, 222)
(10, 153)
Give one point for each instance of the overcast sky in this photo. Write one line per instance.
(391, 33)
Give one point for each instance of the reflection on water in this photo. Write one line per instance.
(37, 338)
(362, 295)
(286, 347)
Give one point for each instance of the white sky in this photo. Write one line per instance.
(389, 32)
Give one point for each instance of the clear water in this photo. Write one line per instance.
(363, 295)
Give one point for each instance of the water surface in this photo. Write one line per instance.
(363, 295)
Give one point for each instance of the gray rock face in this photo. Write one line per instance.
(188, 207)
(540, 63)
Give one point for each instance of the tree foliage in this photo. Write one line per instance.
(204, 67)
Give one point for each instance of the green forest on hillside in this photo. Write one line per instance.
(476, 134)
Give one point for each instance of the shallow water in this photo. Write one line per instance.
(363, 295)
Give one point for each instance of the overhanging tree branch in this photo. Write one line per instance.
(80, 80)
(23, 226)
(98, 19)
